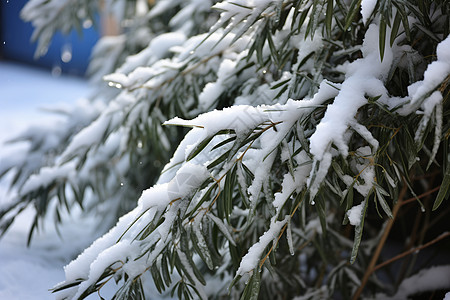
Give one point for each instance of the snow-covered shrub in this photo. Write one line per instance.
(312, 124)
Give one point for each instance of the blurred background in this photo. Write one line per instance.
(66, 54)
(30, 86)
(29, 83)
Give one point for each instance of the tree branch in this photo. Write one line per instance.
(397, 257)
(390, 222)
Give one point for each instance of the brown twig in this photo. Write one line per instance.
(390, 222)
(412, 199)
(397, 257)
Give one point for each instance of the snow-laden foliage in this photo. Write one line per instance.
(127, 163)
(303, 115)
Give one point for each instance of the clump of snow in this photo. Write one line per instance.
(250, 261)
(367, 7)
(119, 244)
(364, 78)
(292, 183)
(238, 10)
(366, 172)
(80, 267)
(158, 48)
(213, 89)
(47, 175)
(238, 118)
(188, 178)
(435, 73)
(109, 257)
(432, 279)
(354, 214)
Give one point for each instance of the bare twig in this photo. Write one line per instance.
(390, 222)
(412, 199)
(397, 257)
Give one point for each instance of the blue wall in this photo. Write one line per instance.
(15, 42)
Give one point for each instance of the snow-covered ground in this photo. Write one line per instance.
(28, 273)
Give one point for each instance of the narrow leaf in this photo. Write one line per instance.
(329, 17)
(358, 232)
(383, 203)
(395, 27)
(352, 11)
(382, 38)
(444, 190)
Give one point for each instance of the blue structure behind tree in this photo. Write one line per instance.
(69, 54)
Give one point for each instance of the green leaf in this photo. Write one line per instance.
(197, 149)
(234, 281)
(329, 17)
(201, 247)
(5, 224)
(259, 45)
(222, 227)
(428, 33)
(157, 279)
(281, 92)
(352, 11)
(349, 196)
(438, 115)
(382, 38)
(404, 15)
(186, 265)
(32, 228)
(165, 270)
(228, 191)
(251, 290)
(241, 5)
(279, 84)
(273, 49)
(358, 232)
(395, 27)
(218, 160)
(383, 203)
(224, 142)
(255, 285)
(132, 223)
(303, 16)
(206, 196)
(320, 208)
(444, 190)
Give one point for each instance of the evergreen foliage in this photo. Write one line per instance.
(272, 144)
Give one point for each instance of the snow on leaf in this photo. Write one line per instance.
(354, 214)
(250, 261)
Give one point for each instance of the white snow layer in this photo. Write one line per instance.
(160, 199)
(47, 175)
(250, 261)
(354, 214)
(364, 77)
(434, 278)
(435, 73)
(238, 10)
(367, 7)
